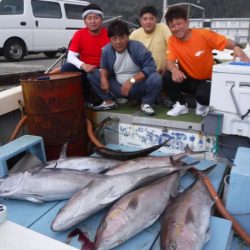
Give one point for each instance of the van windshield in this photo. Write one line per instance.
(11, 7)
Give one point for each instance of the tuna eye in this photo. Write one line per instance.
(172, 245)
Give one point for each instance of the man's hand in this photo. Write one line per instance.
(238, 52)
(177, 75)
(126, 88)
(88, 67)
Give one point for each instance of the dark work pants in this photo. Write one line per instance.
(199, 88)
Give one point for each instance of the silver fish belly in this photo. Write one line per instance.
(89, 164)
(99, 194)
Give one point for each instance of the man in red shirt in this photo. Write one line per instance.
(84, 53)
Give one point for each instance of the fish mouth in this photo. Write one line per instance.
(9, 187)
(64, 224)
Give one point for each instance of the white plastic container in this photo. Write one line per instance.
(230, 95)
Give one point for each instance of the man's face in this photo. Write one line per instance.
(148, 22)
(119, 43)
(179, 28)
(93, 22)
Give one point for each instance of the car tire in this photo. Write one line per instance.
(14, 50)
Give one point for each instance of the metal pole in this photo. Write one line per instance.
(165, 4)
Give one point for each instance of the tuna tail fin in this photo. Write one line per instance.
(86, 243)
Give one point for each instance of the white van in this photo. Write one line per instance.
(31, 26)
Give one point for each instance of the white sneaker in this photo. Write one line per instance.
(201, 109)
(105, 106)
(178, 109)
(147, 109)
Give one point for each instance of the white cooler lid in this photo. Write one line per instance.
(232, 68)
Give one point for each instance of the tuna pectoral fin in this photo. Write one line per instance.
(133, 203)
(208, 234)
(189, 216)
(34, 199)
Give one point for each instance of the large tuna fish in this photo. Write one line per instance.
(86, 163)
(186, 221)
(135, 212)
(153, 161)
(45, 185)
(99, 194)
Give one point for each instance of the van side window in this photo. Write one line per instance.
(46, 9)
(73, 11)
(13, 7)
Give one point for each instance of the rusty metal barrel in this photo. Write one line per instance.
(54, 106)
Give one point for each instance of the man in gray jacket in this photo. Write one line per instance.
(127, 71)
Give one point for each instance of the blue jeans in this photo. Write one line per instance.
(146, 91)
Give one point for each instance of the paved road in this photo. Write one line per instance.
(37, 62)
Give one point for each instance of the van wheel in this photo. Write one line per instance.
(14, 50)
(50, 54)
